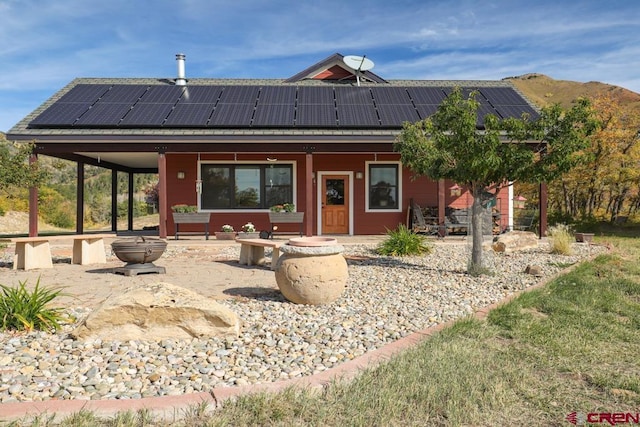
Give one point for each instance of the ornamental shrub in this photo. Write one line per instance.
(402, 241)
(21, 309)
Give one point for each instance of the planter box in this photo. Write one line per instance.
(286, 218)
(225, 235)
(191, 218)
(248, 234)
(584, 237)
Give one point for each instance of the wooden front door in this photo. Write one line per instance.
(335, 204)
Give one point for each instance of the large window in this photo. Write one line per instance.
(246, 186)
(383, 185)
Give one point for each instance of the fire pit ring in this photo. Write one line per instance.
(139, 254)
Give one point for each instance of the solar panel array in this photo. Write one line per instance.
(247, 106)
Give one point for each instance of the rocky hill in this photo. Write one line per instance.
(544, 90)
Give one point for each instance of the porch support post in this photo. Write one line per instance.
(441, 207)
(80, 198)
(114, 200)
(308, 180)
(33, 204)
(130, 204)
(543, 210)
(162, 195)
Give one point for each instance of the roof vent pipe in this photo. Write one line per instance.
(181, 80)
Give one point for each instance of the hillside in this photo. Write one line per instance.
(544, 90)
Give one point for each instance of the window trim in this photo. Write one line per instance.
(294, 181)
(367, 189)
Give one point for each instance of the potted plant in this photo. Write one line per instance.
(226, 233)
(248, 231)
(188, 214)
(285, 207)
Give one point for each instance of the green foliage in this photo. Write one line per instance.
(15, 169)
(184, 208)
(560, 238)
(21, 309)
(55, 209)
(402, 241)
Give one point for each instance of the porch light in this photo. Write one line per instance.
(518, 202)
(180, 174)
(359, 175)
(455, 190)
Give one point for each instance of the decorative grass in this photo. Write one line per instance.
(560, 238)
(21, 309)
(402, 242)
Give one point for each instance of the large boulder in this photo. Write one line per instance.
(158, 311)
(515, 241)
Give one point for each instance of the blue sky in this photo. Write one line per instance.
(44, 44)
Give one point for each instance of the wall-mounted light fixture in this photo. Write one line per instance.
(359, 175)
(519, 202)
(272, 159)
(455, 190)
(180, 174)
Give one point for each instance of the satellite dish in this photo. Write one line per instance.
(358, 63)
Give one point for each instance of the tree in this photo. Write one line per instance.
(449, 145)
(15, 169)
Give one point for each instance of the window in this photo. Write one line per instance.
(246, 186)
(383, 186)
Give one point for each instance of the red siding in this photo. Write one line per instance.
(422, 190)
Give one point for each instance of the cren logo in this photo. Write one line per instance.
(610, 418)
(576, 418)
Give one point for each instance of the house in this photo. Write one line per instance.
(321, 139)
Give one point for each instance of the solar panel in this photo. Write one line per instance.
(503, 96)
(466, 93)
(147, 115)
(516, 111)
(201, 94)
(320, 115)
(277, 95)
(60, 114)
(274, 115)
(124, 93)
(390, 95)
(311, 95)
(426, 110)
(357, 115)
(353, 95)
(240, 95)
(104, 114)
(426, 95)
(230, 115)
(190, 115)
(162, 94)
(484, 110)
(85, 93)
(395, 115)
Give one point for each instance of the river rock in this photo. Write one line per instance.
(158, 311)
(515, 241)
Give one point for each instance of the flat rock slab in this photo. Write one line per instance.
(158, 311)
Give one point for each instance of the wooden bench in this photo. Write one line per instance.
(35, 252)
(458, 220)
(252, 251)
